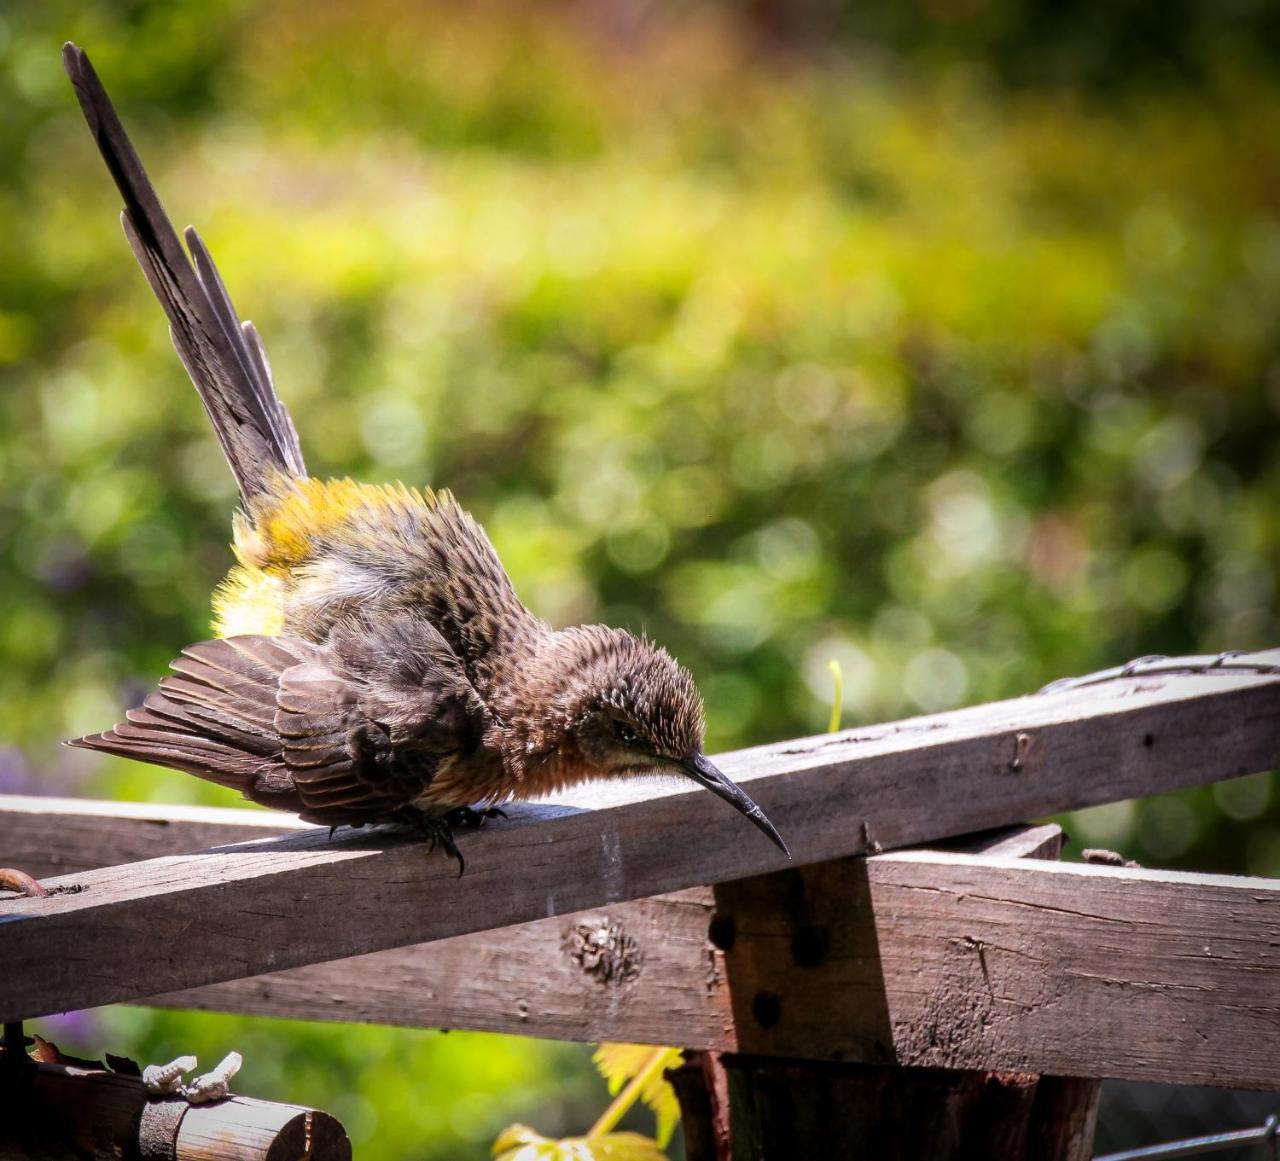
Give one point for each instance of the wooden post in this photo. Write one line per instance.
(703, 1092)
(783, 1109)
(780, 1106)
(798, 945)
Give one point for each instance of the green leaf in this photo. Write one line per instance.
(621, 1063)
(521, 1143)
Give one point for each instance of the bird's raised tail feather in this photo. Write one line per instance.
(215, 718)
(223, 356)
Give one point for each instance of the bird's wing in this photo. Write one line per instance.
(335, 737)
(369, 728)
(215, 718)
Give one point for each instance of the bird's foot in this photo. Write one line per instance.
(473, 817)
(436, 829)
(352, 825)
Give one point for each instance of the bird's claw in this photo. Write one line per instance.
(437, 829)
(444, 837)
(473, 817)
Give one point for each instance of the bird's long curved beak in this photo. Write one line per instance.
(705, 773)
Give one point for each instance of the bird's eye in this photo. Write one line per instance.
(626, 735)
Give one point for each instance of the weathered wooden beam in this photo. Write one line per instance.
(959, 961)
(935, 963)
(615, 973)
(47, 837)
(183, 921)
(928, 960)
(938, 961)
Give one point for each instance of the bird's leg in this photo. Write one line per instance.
(436, 829)
(352, 825)
(473, 816)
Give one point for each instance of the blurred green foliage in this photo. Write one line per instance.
(892, 345)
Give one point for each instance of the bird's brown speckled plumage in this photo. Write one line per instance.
(373, 657)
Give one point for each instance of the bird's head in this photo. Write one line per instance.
(628, 708)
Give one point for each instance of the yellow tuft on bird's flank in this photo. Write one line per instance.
(282, 532)
(288, 524)
(249, 601)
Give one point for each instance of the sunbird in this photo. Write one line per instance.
(372, 662)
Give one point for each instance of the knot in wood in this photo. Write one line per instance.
(605, 951)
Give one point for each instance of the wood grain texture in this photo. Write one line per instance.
(936, 963)
(783, 1109)
(186, 920)
(58, 836)
(530, 978)
(959, 961)
(926, 959)
(47, 837)
(929, 960)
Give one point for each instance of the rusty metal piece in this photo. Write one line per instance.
(166, 1079)
(214, 1085)
(11, 879)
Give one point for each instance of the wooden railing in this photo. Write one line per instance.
(651, 914)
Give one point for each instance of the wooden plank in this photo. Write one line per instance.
(59, 836)
(46, 837)
(962, 961)
(929, 959)
(184, 921)
(942, 960)
(630, 988)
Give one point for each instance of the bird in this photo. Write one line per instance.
(371, 661)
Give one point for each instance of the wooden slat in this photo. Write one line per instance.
(528, 978)
(930, 959)
(46, 837)
(664, 982)
(184, 921)
(1001, 964)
